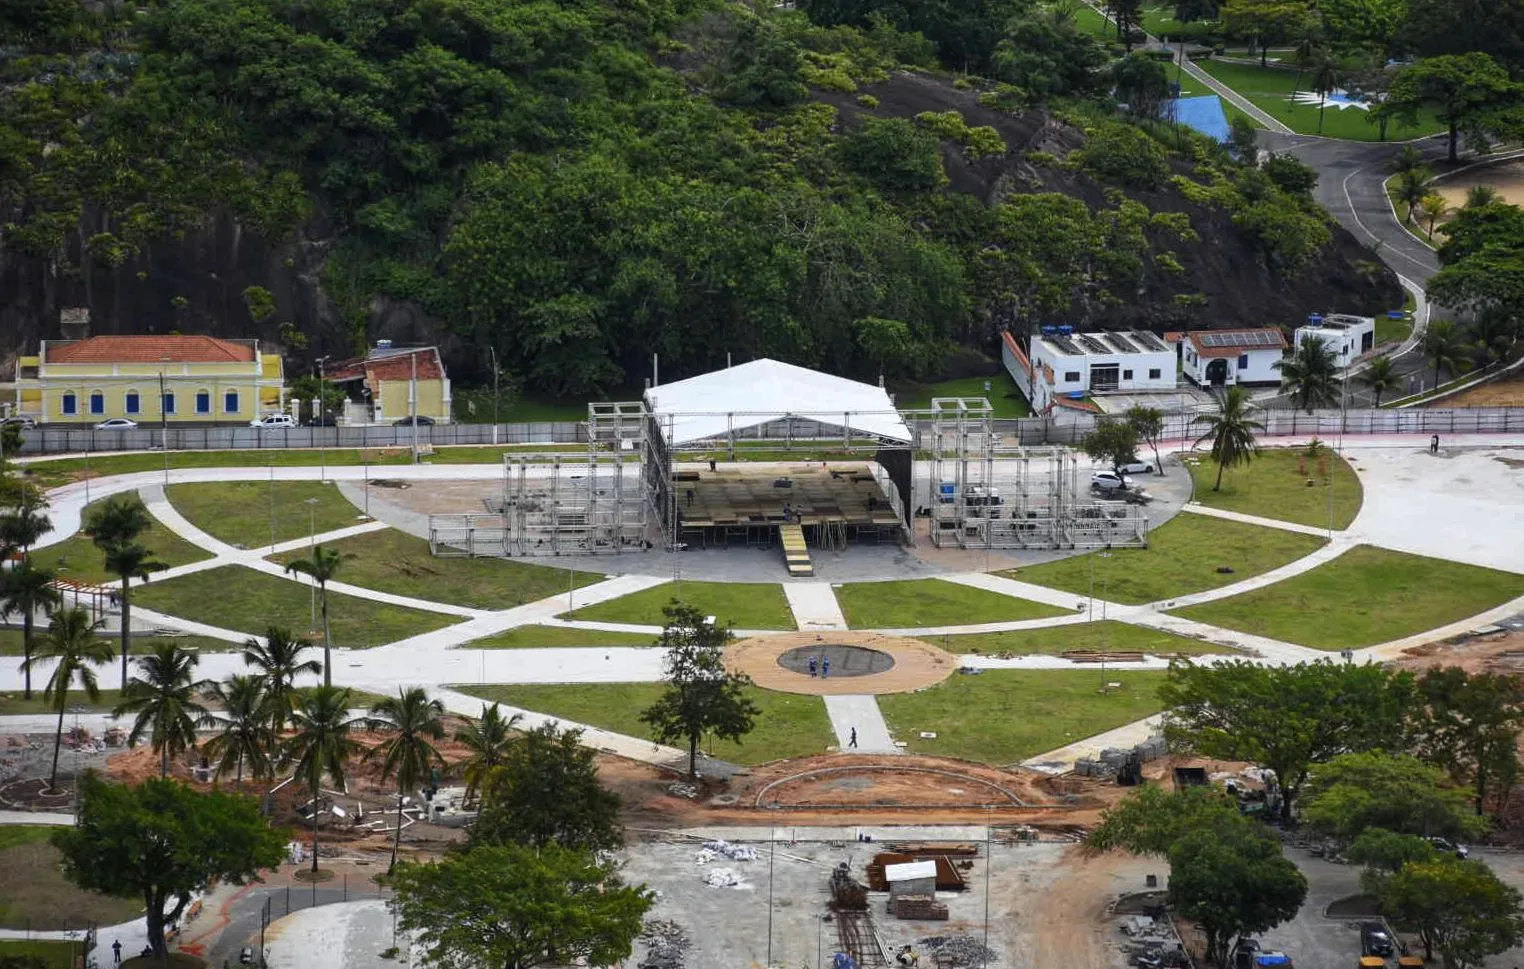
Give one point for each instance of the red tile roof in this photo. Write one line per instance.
(151, 349)
(390, 365)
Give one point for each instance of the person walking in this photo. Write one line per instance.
(116, 952)
(814, 664)
(825, 668)
(852, 741)
(1434, 444)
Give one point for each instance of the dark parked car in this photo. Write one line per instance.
(327, 420)
(1375, 940)
(422, 421)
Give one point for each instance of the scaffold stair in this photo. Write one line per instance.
(796, 555)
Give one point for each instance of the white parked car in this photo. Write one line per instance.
(116, 424)
(273, 420)
(1110, 481)
(1137, 467)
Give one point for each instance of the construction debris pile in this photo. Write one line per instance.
(847, 893)
(1152, 940)
(1114, 761)
(667, 945)
(714, 849)
(957, 952)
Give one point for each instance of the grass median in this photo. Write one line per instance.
(789, 724)
(249, 514)
(234, 597)
(1006, 716)
(543, 637)
(1364, 597)
(1184, 555)
(35, 895)
(910, 603)
(78, 560)
(1271, 89)
(744, 605)
(10, 642)
(1275, 485)
(1090, 637)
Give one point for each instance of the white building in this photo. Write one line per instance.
(1348, 337)
(1223, 358)
(1068, 364)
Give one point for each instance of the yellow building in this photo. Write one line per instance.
(385, 382)
(204, 379)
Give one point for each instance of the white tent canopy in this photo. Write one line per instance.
(713, 404)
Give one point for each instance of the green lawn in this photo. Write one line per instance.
(789, 725)
(399, 563)
(1089, 21)
(54, 955)
(78, 559)
(910, 603)
(534, 637)
(1095, 636)
(1183, 556)
(110, 673)
(745, 605)
(249, 514)
(1270, 88)
(1005, 399)
(34, 893)
(1365, 596)
(235, 597)
(1392, 331)
(1274, 485)
(10, 642)
(1005, 716)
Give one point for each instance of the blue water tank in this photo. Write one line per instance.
(1396, 314)
(1314, 318)
(1050, 329)
(1076, 395)
(1066, 328)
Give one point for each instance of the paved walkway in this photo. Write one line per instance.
(1197, 508)
(859, 712)
(814, 605)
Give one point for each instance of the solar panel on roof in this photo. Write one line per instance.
(1092, 344)
(1121, 343)
(1148, 340)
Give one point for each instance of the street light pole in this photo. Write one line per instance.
(322, 417)
(163, 429)
(495, 375)
(312, 553)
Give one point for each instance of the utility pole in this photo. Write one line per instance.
(322, 415)
(163, 429)
(495, 375)
(412, 401)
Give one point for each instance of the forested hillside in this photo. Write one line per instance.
(582, 183)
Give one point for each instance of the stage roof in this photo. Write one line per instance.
(767, 390)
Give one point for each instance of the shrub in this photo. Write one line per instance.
(1120, 153)
(982, 141)
(867, 100)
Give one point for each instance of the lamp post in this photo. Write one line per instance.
(495, 375)
(322, 414)
(311, 548)
(163, 429)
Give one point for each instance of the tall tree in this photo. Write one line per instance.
(114, 526)
(1458, 907)
(1148, 423)
(1469, 724)
(1232, 880)
(74, 649)
(1478, 196)
(1264, 22)
(1355, 792)
(130, 561)
(278, 663)
(514, 907)
(163, 843)
(1326, 78)
(1150, 820)
(322, 566)
(1469, 92)
(164, 700)
(702, 696)
(242, 726)
(413, 722)
(1285, 718)
(1444, 347)
(322, 743)
(27, 588)
(1231, 431)
(1411, 186)
(1114, 441)
(547, 792)
(25, 522)
(1380, 377)
(1434, 207)
(487, 739)
(1311, 375)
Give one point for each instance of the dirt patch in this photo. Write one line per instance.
(1508, 392)
(1071, 919)
(35, 895)
(1501, 652)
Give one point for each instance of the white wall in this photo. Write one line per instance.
(1347, 343)
(1071, 372)
(1260, 367)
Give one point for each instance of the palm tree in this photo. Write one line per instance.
(1480, 195)
(117, 520)
(1379, 377)
(412, 719)
(243, 727)
(1407, 160)
(1311, 374)
(24, 524)
(130, 561)
(1232, 431)
(1410, 187)
(278, 663)
(488, 742)
(26, 588)
(75, 649)
(165, 700)
(1443, 347)
(1492, 335)
(322, 743)
(1326, 78)
(322, 567)
(1434, 207)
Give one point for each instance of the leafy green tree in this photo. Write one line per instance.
(1311, 375)
(515, 907)
(1481, 196)
(487, 740)
(74, 649)
(278, 664)
(1494, 27)
(1362, 25)
(1232, 880)
(1290, 175)
(1151, 820)
(412, 721)
(114, 526)
(547, 792)
(1046, 55)
(27, 588)
(163, 843)
(308, 388)
(1469, 92)
(322, 566)
(1469, 725)
(322, 743)
(1148, 424)
(242, 726)
(1142, 84)
(1386, 851)
(1122, 153)
(1380, 377)
(1492, 336)
(1114, 441)
(1444, 347)
(1263, 22)
(1496, 226)
(1231, 431)
(702, 696)
(1411, 186)
(763, 69)
(1491, 281)
(895, 154)
(1187, 11)
(1243, 139)
(1285, 718)
(1396, 792)
(1458, 907)
(164, 702)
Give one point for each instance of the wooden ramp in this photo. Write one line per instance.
(796, 555)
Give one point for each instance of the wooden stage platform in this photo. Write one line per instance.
(832, 503)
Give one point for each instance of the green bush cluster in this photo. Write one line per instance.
(978, 142)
